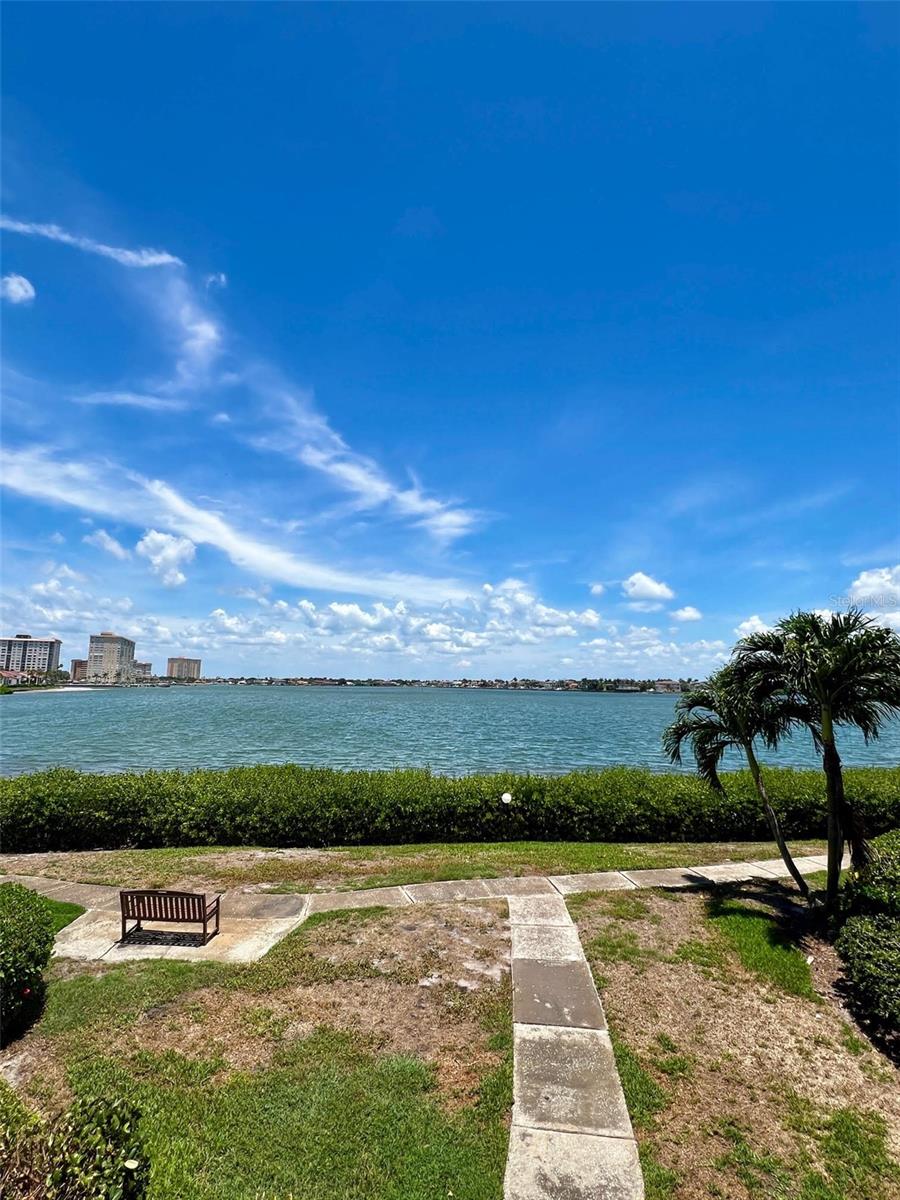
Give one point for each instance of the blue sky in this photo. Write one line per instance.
(448, 340)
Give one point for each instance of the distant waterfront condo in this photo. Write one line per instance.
(183, 668)
(110, 658)
(25, 653)
(78, 671)
(143, 670)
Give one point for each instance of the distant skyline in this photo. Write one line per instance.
(439, 340)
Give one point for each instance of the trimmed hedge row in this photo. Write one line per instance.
(869, 942)
(62, 809)
(93, 1151)
(26, 940)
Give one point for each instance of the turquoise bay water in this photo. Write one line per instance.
(451, 731)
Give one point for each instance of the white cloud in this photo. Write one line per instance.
(753, 624)
(132, 400)
(105, 541)
(57, 538)
(166, 554)
(306, 435)
(874, 586)
(128, 258)
(221, 418)
(102, 488)
(17, 289)
(217, 279)
(688, 613)
(640, 587)
(597, 589)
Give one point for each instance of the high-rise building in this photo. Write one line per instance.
(183, 668)
(143, 670)
(110, 658)
(25, 653)
(78, 673)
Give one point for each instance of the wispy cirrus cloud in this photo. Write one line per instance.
(105, 541)
(305, 434)
(106, 489)
(132, 400)
(294, 427)
(143, 257)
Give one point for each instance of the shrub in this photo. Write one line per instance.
(288, 805)
(870, 948)
(91, 1152)
(26, 940)
(877, 888)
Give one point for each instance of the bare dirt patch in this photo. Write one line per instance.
(727, 1046)
(418, 983)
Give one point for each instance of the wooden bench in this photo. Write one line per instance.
(171, 908)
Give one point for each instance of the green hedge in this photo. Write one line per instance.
(869, 942)
(870, 948)
(93, 1151)
(877, 888)
(62, 809)
(26, 940)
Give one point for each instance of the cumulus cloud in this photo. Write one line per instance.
(55, 233)
(597, 589)
(688, 613)
(105, 541)
(217, 280)
(166, 554)
(643, 591)
(752, 624)
(876, 586)
(17, 289)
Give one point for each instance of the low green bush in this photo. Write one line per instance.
(877, 888)
(62, 809)
(91, 1152)
(26, 940)
(870, 948)
(869, 942)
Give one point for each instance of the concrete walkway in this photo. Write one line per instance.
(571, 1137)
(252, 922)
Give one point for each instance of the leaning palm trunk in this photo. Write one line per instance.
(844, 823)
(772, 818)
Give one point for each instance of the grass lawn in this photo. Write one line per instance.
(217, 867)
(63, 913)
(744, 1078)
(368, 1055)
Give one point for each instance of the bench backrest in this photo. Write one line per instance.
(163, 906)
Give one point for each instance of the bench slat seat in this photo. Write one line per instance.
(170, 908)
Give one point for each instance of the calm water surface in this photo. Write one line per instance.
(453, 732)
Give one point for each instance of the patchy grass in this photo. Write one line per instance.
(764, 946)
(200, 867)
(840, 1154)
(327, 1070)
(739, 1088)
(329, 1119)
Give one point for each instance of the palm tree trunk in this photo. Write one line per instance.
(773, 822)
(834, 791)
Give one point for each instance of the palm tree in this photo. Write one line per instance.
(836, 669)
(719, 715)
